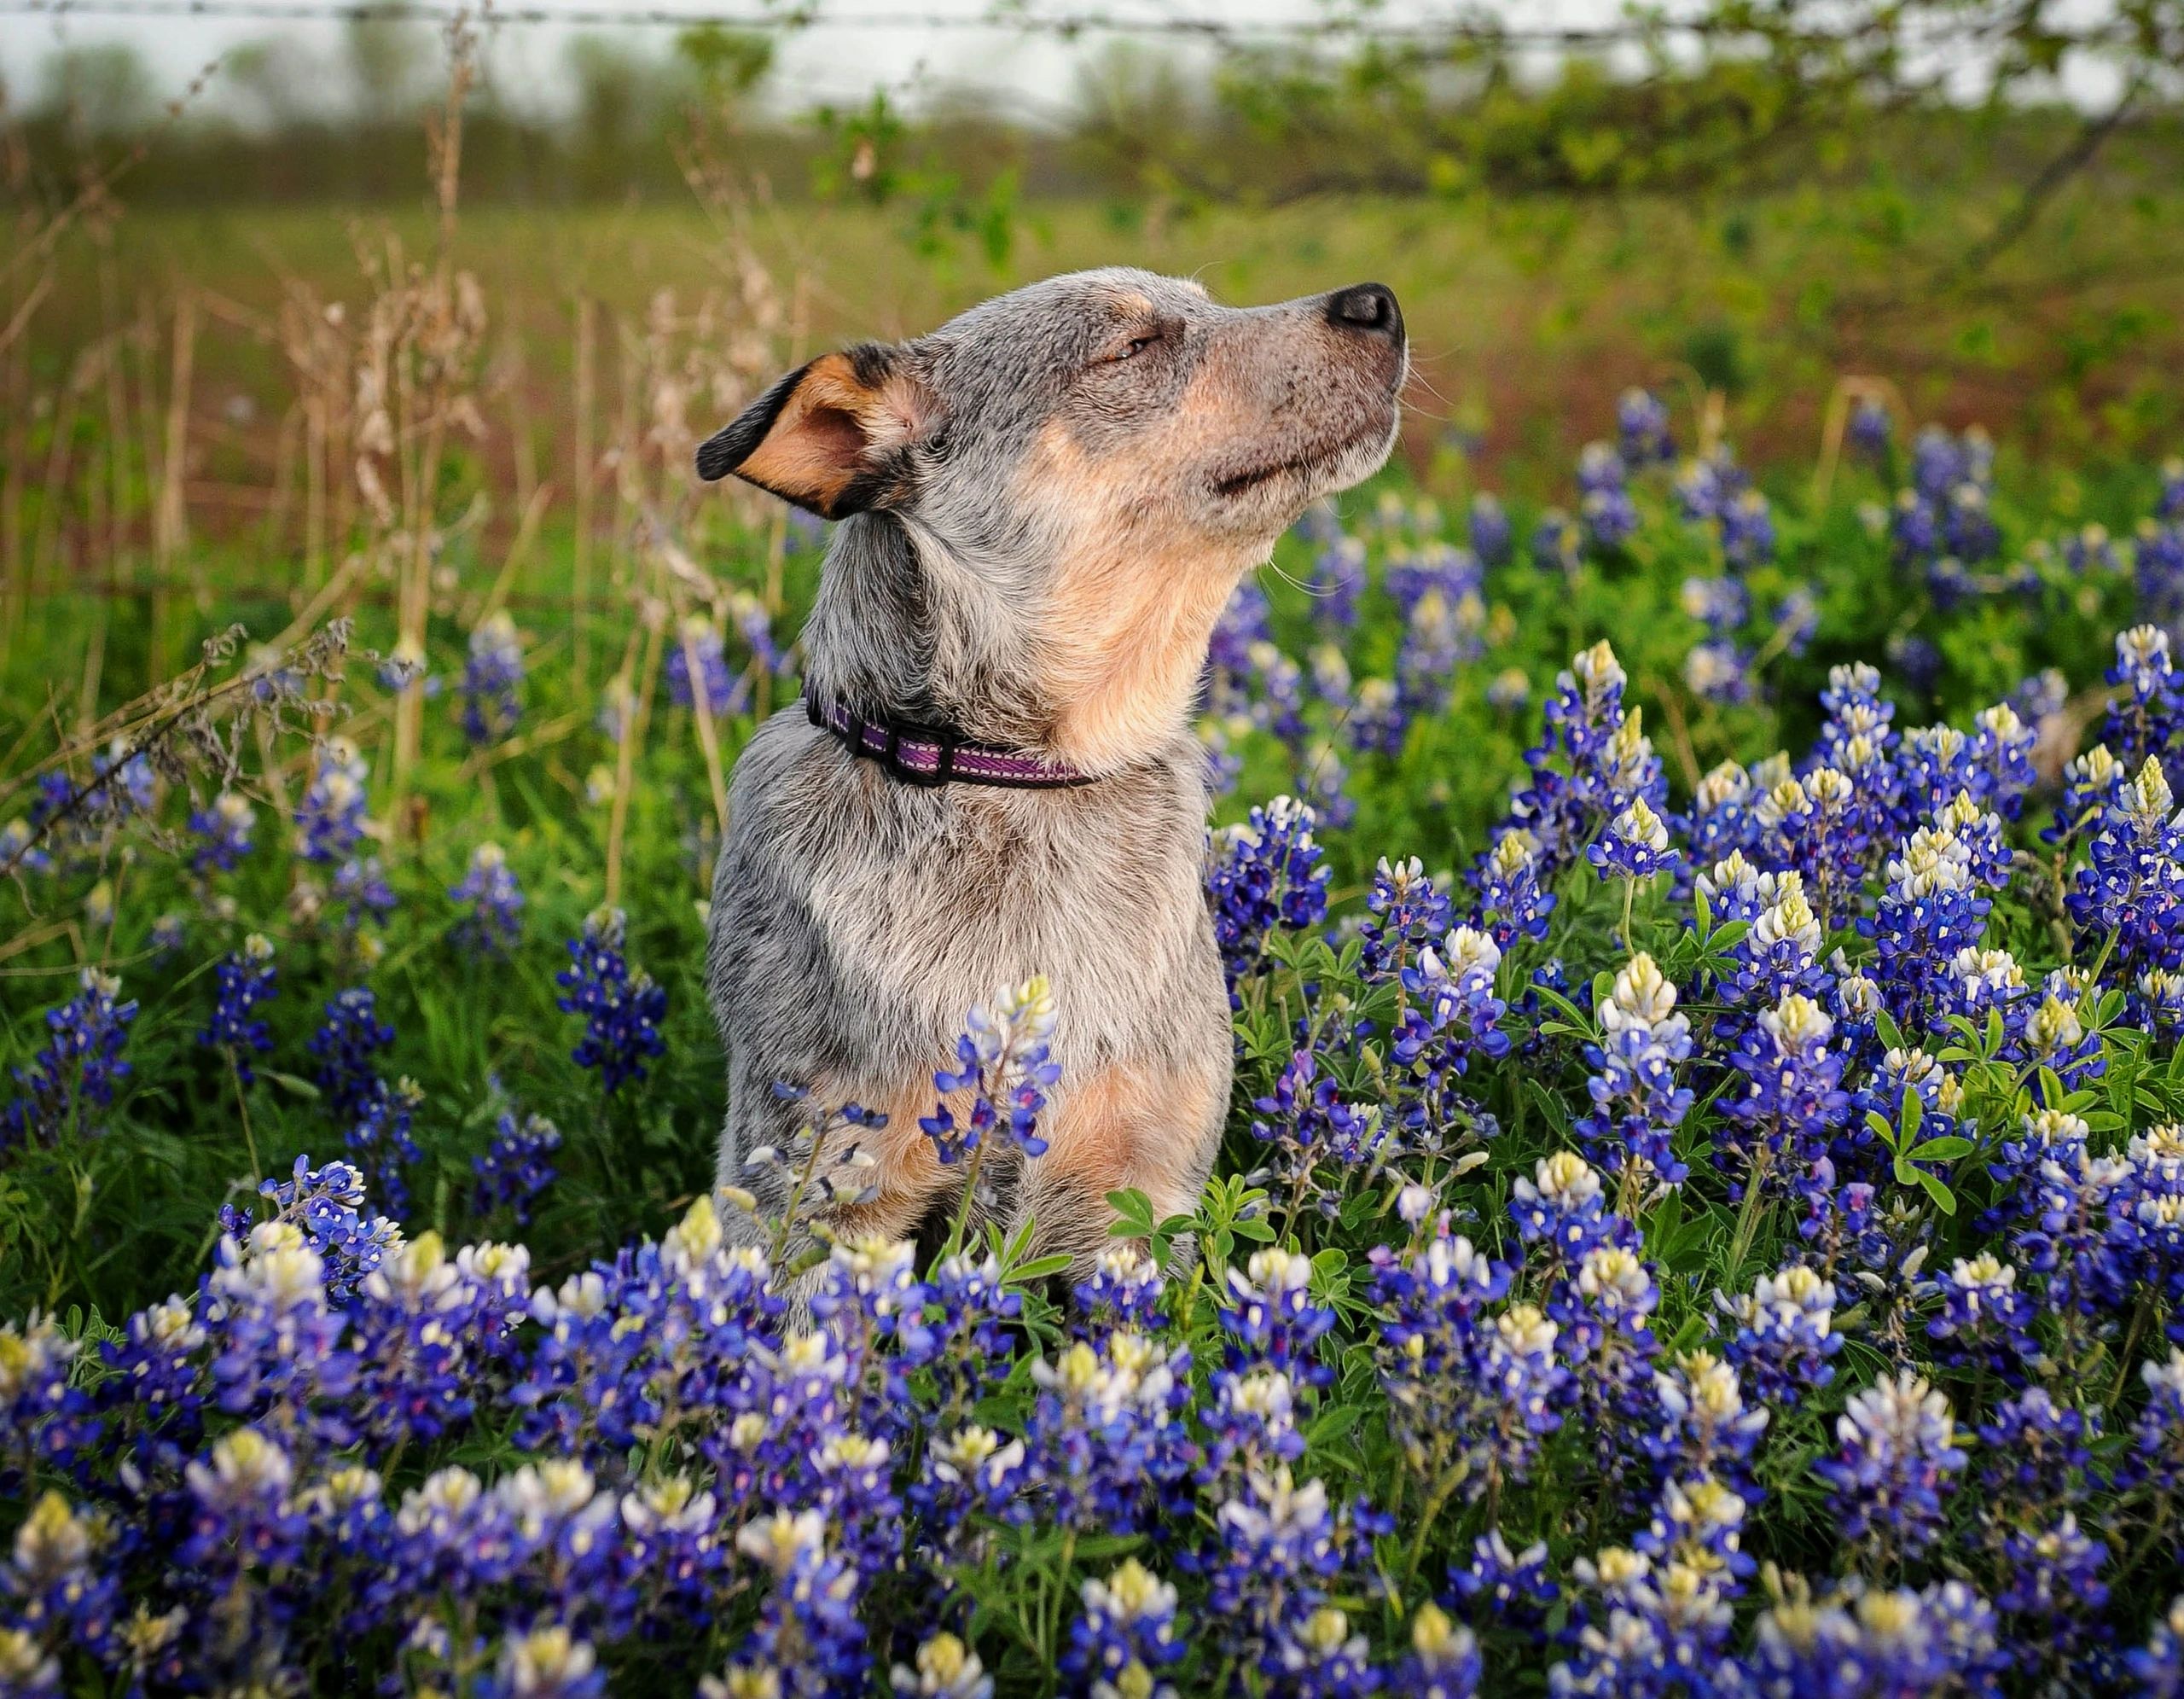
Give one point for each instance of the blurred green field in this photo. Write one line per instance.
(1527, 316)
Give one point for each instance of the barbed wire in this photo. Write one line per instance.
(1482, 27)
(1073, 23)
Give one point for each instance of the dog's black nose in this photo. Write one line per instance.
(1368, 307)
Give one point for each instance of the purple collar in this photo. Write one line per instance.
(929, 756)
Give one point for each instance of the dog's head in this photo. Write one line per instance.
(1101, 456)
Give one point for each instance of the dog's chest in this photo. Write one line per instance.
(1103, 898)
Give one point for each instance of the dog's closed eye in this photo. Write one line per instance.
(1130, 347)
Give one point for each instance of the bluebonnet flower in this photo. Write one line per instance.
(1986, 1321)
(1637, 1103)
(1641, 424)
(495, 922)
(381, 1135)
(1471, 1392)
(1126, 1636)
(2034, 1458)
(1706, 1432)
(946, 1668)
(1505, 1587)
(325, 1205)
(75, 1071)
(1377, 719)
(1490, 530)
(2158, 571)
(360, 883)
(1512, 903)
(1272, 1319)
(1408, 911)
(1280, 1547)
(2132, 892)
(1636, 845)
(492, 680)
(1609, 759)
(245, 980)
(1882, 1644)
(42, 1410)
(621, 1005)
(1719, 670)
(1440, 632)
(347, 1047)
(1899, 1459)
(1443, 1662)
(517, 1166)
(2144, 721)
(1785, 1341)
(330, 818)
(2159, 1666)
(1788, 1101)
(1721, 604)
(1870, 430)
(1004, 1061)
(223, 828)
(2155, 1459)
(1450, 1014)
(403, 666)
(1747, 526)
(1107, 1440)
(1338, 576)
(1558, 544)
(546, 1661)
(1706, 484)
(1932, 907)
(1124, 1291)
(1916, 658)
(700, 637)
(1303, 1122)
(808, 1635)
(1605, 504)
(1264, 874)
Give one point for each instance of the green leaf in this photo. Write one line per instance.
(1945, 1199)
(1946, 1149)
(1891, 1034)
(1039, 1268)
(1914, 1111)
(1883, 1130)
(1133, 1214)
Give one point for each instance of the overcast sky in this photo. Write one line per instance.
(843, 57)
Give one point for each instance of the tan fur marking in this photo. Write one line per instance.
(1134, 604)
(1129, 1129)
(825, 435)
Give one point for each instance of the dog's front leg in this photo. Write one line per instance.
(1153, 1129)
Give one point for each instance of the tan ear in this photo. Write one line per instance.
(829, 436)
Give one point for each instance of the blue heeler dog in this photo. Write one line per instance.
(1045, 505)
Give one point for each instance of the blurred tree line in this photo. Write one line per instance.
(1756, 93)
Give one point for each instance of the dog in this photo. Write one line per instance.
(1043, 507)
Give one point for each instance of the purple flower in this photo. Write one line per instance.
(493, 681)
(223, 828)
(330, 819)
(517, 1166)
(1126, 1635)
(495, 923)
(621, 1005)
(245, 981)
(1264, 874)
(75, 1071)
(1004, 1061)
(1899, 1457)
